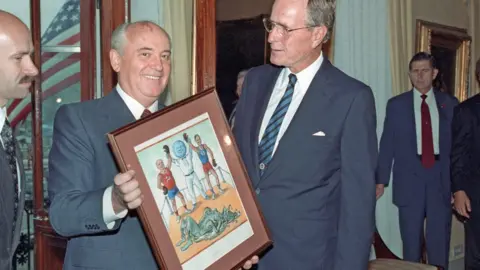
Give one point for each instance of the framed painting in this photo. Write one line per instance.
(199, 209)
(451, 48)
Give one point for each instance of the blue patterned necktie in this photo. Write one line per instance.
(265, 148)
(9, 146)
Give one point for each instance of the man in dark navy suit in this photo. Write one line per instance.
(307, 134)
(416, 142)
(465, 160)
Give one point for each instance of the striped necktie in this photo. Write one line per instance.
(265, 148)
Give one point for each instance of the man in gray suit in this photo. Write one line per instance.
(92, 202)
(16, 75)
(307, 134)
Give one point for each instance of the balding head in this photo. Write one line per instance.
(16, 67)
(8, 20)
(128, 30)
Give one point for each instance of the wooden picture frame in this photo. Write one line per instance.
(218, 233)
(451, 48)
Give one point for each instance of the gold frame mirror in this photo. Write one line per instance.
(451, 48)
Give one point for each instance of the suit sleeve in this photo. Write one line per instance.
(359, 152)
(462, 141)
(386, 152)
(76, 208)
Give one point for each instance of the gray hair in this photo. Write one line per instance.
(321, 12)
(119, 36)
(242, 73)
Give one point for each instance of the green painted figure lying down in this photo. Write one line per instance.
(211, 225)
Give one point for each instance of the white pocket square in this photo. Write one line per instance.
(320, 133)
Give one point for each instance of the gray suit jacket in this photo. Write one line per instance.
(9, 242)
(318, 193)
(81, 168)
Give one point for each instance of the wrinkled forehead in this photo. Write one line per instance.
(15, 40)
(289, 12)
(148, 35)
(421, 64)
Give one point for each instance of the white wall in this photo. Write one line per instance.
(150, 10)
(21, 8)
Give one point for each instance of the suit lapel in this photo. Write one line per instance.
(442, 120)
(21, 199)
(410, 108)
(116, 112)
(316, 99)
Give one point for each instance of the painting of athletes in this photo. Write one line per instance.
(195, 193)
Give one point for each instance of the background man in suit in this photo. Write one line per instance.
(238, 92)
(465, 166)
(416, 139)
(17, 72)
(91, 200)
(306, 132)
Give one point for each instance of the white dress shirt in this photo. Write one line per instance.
(186, 163)
(137, 109)
(432, 106)
(304, 78)
(3, 118)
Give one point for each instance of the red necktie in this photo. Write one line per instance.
(146, 112)
(428, 157)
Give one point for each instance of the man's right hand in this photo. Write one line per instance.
(380, 188)
(126, 193)
(461, 203)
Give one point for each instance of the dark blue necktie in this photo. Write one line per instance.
(9, 145)
(265, 148)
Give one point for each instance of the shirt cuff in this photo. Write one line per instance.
(109, 216)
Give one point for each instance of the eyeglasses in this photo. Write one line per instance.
(282, 30)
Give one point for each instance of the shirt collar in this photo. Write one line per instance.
(3, 116)
(419, 94)
(133, 105)
(305, 76)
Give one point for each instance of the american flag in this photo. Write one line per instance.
(59, 71)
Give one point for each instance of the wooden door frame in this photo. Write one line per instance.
(45, 238)
(204, 52)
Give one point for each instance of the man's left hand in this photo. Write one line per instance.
(248, 264)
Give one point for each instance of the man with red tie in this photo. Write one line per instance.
(416, 142)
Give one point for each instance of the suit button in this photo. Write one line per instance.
(261, 166)
(257, 191)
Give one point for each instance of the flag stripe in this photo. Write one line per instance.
(24, 114)
(52, 81)
(71, 59)
(75, 78)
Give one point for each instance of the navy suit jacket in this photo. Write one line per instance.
(465, 156)
(318, 192)
(81, 168)
(398, 148)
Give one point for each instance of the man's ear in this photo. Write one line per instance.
(115, 60)
(319, 33)
(435, 73)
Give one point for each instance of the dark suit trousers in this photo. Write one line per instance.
(432, 208)
(472, 238)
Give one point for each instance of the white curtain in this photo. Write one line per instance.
(178, 20)
(362, 50)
